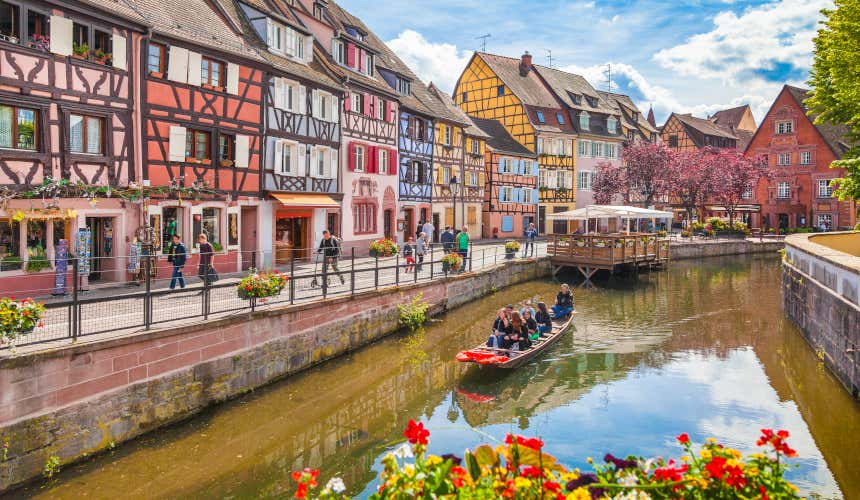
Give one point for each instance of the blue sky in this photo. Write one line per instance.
(683, 55)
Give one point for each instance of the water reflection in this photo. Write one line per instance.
(702, 348)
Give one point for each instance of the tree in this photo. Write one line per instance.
(734, 174)
(642, 177)
(692, 178)
(835, 95)
(608, 182)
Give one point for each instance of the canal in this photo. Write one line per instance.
(701, 348)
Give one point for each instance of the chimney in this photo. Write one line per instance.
(525, 64)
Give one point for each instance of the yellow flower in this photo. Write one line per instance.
(579, 494)
(734, 463)
(590, 460)
(753, 471)
(735, 453)
(685, 458)
(570, 476)
(522, 483)
(409, 470)
(703, 483)
(434, 460)
(711, 440)
(706, 454)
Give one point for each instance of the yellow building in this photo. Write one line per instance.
(512, 92)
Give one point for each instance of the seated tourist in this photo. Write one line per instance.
(563, 302)
(527, 306)
(531, 325)
(518, 337)
(543, 319)
(501, 327)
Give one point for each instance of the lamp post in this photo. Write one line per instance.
(454, 186)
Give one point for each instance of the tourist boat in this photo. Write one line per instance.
(505, 358)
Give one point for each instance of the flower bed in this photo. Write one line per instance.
(19, 317)
(383, 247)
(259, 285)
(520, 469)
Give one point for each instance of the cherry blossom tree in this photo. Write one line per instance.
(734, 175)
(642, 177)
(692, 178)
(607, 183)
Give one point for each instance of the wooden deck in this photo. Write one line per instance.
(592, 252)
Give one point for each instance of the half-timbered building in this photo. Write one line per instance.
(510, 192)
(512, 92)
(302, 122)
(634, 125)
(202, 106)
(67, 74)
(799, 153)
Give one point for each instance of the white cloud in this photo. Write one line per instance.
(440, 63)
(773, 37)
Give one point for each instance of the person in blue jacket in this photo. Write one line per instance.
(531, 235)
(177, 257)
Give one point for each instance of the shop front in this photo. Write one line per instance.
(299, 220)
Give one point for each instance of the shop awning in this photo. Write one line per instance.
(306, 200)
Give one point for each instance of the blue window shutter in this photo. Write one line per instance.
(520, 193)
(535, 168)
(507, 223)
(535, 195)
(521, 167)
(501, 165)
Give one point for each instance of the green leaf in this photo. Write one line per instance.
(486, 456)
(472, 465)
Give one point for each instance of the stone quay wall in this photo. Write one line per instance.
(74, 401)
(718, 248)
(821, 294)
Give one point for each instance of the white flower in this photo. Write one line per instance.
(632, 495)
(628, 479)
(336, 485)
(404, 451)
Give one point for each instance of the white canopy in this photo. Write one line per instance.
(610, 212)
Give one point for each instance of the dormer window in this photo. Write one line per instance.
(404, 86)
(285, 40)
(319, 10)
(576, 98)
(611, 123)
(540, 117)
(584, 121)
(368, 64)
(356, 33)
(560, 118)
(338, 51)
(591, 101)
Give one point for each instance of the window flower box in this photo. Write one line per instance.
(452, 261)
(206, 161)
(156, 74)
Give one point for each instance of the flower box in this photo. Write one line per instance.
(383, 247)
(156, 74)
(511, 248)
(261, 285)
(19, 317)
(452, 261)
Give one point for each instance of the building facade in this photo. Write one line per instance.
(799, 153)
(511, 189)
(67, 94)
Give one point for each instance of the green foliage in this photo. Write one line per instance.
(413, 314)
(11, 263)
(37, 260)
(835, 96)
(857, 227)
(52, 467)
(5, 449)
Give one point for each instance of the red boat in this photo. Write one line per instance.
(505, 358)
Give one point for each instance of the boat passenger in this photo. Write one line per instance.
(531, 325)
(527, 306)
(544, 320)
(563, 302)
(509, 309)
(501, 327)
(518, 338)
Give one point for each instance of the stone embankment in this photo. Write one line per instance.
(699, 249)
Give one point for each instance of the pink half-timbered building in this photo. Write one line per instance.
(67, 73)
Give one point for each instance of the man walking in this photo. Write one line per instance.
(330, 248)
(428, 231)
(447, 239)
(531, 235)
(463, 246)
(177, 257)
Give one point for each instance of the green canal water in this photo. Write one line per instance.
(702, 348)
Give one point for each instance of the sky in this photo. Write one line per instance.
(687, 56)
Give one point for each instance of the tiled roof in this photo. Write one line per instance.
(744, 138)
(194, 21)
(624, 101)
(117, 7)
(705, 126)
(834, 133)
(456, 113)
(529, 89)
(500, 139)
(729, 117)
(564, 84)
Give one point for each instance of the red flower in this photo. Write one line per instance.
(777, 441)
(416, 433)
(531, 471)
(683, 438)
(552, 487)
(533, 443)
(716, 467)
(458, 474)
(763, 493)
(297, 476)
(670, 472)
(735, 477)
(301, 491)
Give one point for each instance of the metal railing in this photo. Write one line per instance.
(113, 310)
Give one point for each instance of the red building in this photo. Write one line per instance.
(799, 154)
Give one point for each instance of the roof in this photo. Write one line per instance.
(744, 138)
(833, 133)
(625, 101)
(117, 7)
(651, 119)
(704, 126)
(194, 21)
(529, 89)
(563, 84)
(730, 117)
(458, 114)
(500, 139)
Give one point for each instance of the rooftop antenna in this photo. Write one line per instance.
(483, 39)
(549, 56)
(608, 74)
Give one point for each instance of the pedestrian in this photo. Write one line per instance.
(463, 246)
(177, 257)
(531, 235)
(429, 230)
(419, 229)
(421, 249)
(447, 239)
(409, 254)
(330, 250)
(205, 271)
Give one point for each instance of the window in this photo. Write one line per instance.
(449, 131)
(806, 157)
(380, 109)
(825, 221)
(356, 103)
(155, 58)
(506, 194)
(197, 144)
(368, 64)
(508, 166)
(226, 147)
(824, 188)
(783, 159)
(86, 134)
(287, 95)
(582, 147)
(102, 43)
(784, 127)
(37, 28)
(560, 118)
(285, 154)
(501, 90)
(211, 225)
(9, 19)
(747, 194)
(404, 86)
(321, 170)
(584, 121)
(596, 149)
(383, 161)
(464, 97)
(528, 195)
(783, 190)
(611, 124)
(476, 147)
(540, 117)
(540, 146)
(359, 158)
(609, 150)
(81, 39)
(419, 129)
(473, 178)
(565, 179)
(560, 147)
(413, 173)
(338, 51)
(18, 128)
(319, 10)
(275, 38)
(444, 175)
(583, 181)
(364, 218)
(211, 72)
(10, 244)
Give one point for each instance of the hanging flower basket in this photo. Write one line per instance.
(452, 261)
(383, 247)
(511, 248)
(19, 317)
(261, 285)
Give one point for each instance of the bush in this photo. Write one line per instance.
(260, 285)
(37, 260)
(520, 469)
(857, 227)
(413, 314)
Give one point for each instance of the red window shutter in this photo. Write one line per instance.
(389, 111)
(347, 102)
(351, 162)
(372, 160)
(350, 55)
(392, 162)
(367, 104)
(360, 54)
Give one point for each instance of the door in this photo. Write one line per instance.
(559, 226)
(101, 250)
(291, 235)
(248, 239)
(541, 220)
(387, 223)
(410, 224)
(783, 222)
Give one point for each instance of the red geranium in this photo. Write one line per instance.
(716, 467)
(683, 438)
(670, 472)
(458, 474)
(533, 443)
(416, 433)
(301, 491)
(531, 471)
(777, 440)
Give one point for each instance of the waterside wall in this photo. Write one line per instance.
(718, 248)
(74, 401)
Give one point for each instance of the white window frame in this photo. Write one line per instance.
(360, 153)
(338, 51)
(783, 190)
(528, 196)
(611, 125)
(383, 161)
(596, 149)
(509, 198)
(275, 36)
(473, 178)
(784, 127)
(508, 166)
(806, 157)
(279, 167)
(825, 218)
(747, 194)
(584, 121)
(355, 103)
(783, 159)
(449, 135)
(368, 64)
(583, 181)
(476, 146)
(824, 188)
(583, 148)
(380, 109)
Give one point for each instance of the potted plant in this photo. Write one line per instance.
(511, 248)
(226, 163)
(451, 262)
(37, 260)
(41, 42)
(383, 247)
(11, 263)
(80, 51)
(216, 247)
(261, 285)
(103, 57)
(19, 317)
